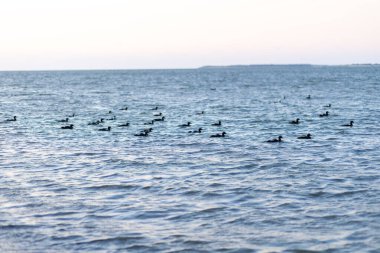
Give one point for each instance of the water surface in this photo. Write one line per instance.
(85, 190)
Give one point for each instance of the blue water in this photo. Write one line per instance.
(91, 191)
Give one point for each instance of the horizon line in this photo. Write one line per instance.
(193, 68)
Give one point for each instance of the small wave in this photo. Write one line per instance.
(11, 227)
(112, 187)
(114, 240)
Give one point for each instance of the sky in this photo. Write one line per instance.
(145, 34)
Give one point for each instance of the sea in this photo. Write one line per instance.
(85, 190)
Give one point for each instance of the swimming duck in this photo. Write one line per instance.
(160, 119)
(113, 118)
(149, 123)
(200, 113)
(295, 122)
(68, 127)
(96, 122)
(308, 97)
(279, 139)
(105, 129)
(349, 125)
(14, 119)
(124, 125)
(196, 131)
(157, 114)
(124, 109)
(147, 130)
(72, 115)
(63, 120)
(327, 106)
(185, 125)
(305, 137)
(155, 108)
(142, 134)
(218, 135)
(217, 124)
(324, 114)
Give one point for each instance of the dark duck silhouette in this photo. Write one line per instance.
(196, 131)
(200, 113)
(295, 122)
(326, 114)
(185, 125)
(68, 127)
(157, 114)
(124, 125)
(160, 119)
(217, 124)
(155, 108)
(279, 139)
(63, 120)
(308, 97)
(305, 137)
(10, 120)
(349, 125)
(124, 109)
(113, 118)
(105, 129)
(147, 130)
(145, 134)
(218, 135)
(96, 122)
(149, 123)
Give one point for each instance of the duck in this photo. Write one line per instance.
(155, 108)
(63, 120)
(14, 119)
(308, 97)
(157, 114)
(147, 130)
(295, 122)
(124, 109)
(72, 115)
(327, 106)
(349, 125)
(124, 125)
(149, 123)
(68, 127)
(279, 139)
(200, 113)
(305, 137)
(142, 134)
(105, 129)
(113, 118)
(196, 131)
(324, 114)
(160, 119)
(185, 125)
(218, 135)
(96, 122)
(109, 112)
(217, 124)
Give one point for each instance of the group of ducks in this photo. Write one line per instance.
(308, 136)
(159, 117)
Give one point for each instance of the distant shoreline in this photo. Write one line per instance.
(288, 65)
(202, 67)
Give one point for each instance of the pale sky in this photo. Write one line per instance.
(135, 34)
